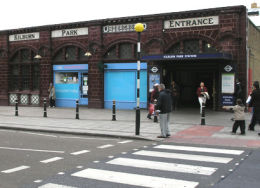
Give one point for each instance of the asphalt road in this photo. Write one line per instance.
(29, 158)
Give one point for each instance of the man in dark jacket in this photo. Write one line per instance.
(164, 105)
(255, 103)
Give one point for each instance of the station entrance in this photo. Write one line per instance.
(188, 75)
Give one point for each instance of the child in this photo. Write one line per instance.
(239, 116)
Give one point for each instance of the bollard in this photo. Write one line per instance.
(44, 108)
(16, 107)
(137, 121)
(203, 114)
(155, 118)
(77, 109)
(114, 111)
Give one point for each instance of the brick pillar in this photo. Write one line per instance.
(4, 80)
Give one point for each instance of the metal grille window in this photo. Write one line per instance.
(176, 49)
(208, 48)
(122, 51)
(71, 53)
(111, 54)
(191, 46)
(24, 73)
(125, 51)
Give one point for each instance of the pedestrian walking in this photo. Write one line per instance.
(203, 95)
(163, 106)
(175, 91)
(239, 116)
(255, 103)
(238, 90)
(52, 95)
(154, 97)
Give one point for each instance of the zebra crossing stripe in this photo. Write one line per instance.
(125, 142)
(52, 185)
(134, 179)
(200, 149)
(51, 160)
(80, 152)
(163, 166)
(105, 146)
(15, 169)
(184, 156)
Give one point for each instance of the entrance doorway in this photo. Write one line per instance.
(188, 76)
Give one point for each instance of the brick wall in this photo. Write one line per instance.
(229, 37)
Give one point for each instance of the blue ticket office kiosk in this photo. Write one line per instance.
(71, 84)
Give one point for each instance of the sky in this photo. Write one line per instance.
(16, 14)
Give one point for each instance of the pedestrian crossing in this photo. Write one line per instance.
(156, 166)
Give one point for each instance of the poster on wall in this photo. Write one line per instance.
(228, 83)
(153, 79)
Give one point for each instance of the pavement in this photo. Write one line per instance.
(184, 125)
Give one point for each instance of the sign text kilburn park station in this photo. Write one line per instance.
(191, 22)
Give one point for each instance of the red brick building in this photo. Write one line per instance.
(188, 47)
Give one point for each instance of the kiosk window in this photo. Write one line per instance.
(66, 77)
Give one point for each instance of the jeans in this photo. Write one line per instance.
(164, 124)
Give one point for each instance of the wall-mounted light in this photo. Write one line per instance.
(208, 45)
(38, 57)
(88, 54)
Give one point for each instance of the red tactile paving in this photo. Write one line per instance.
(199, 130)
(203, 135)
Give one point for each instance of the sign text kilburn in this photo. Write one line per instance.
(191, 22)
(120, 28)
(24, 36)
(69, 32)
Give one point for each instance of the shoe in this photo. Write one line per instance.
(149, 116)
(232, 133)
(258, 134)
(168, 135)
(251, 129)
(232, 119)
(243, 134)
(161, 137)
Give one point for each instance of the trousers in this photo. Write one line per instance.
(164, 124)
(241, 124)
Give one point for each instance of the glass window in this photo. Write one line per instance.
(66, 77)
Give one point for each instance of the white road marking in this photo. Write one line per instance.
(48, 135)
(80, 152)
(125, 142)
(37, 181)
(200, 149)
(134, 179)
(52, 185)
(51, 160)
(83, 138)
(105, 146)
(184, 156)
(174, 167)
(26, 149)
(15, 169)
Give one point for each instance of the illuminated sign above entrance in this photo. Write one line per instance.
(69, 32)
(191, 22)
(24, 36)
(188, 56)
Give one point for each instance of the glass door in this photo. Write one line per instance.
(83, 99)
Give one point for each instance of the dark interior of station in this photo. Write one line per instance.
(188, 74)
